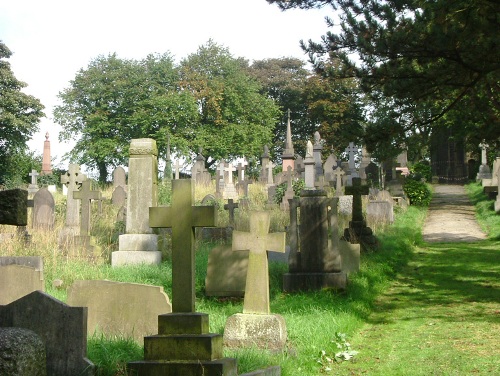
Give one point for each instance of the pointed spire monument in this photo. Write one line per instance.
(288, 155)
(46, 165)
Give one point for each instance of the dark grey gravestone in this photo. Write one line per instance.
(61, 327)
(43, 210)
(14, 207)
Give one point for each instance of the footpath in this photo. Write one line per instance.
(441, 315)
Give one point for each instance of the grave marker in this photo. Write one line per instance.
(230, 206)
(43, 216)
(86, 195)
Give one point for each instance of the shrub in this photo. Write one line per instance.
(418, 192)
(421, 170)
(298, 185)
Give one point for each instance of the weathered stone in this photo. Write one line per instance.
(119, 196)
(350, 255)
(119, 177)
(43, 216)
(63, 329)
(14, 207)
(22, 353)
(226, 272)
(20, 276)
(117, 308)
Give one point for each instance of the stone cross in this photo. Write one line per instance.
(231, 205)
(183, 218)
(270, 166)
(289, 178)
(356, 190)
(244, 184)
(220, 170)
(241, 172)
(337, 174)
(258, 241)
(34, 174)
(73, 179)
(177, 168)
(351, 150)
(86, 195)
(484, 146)
(230, 169)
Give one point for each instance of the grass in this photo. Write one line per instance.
(312, 318)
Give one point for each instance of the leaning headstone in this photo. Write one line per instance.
(43, 214)
(117, 308)
(22, 353)
(14, 207)
(139, 244)
(256, 326)
(183, 345)
(226, 272)
(62, 328)
(20, 276)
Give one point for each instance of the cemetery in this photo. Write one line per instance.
(227, 306)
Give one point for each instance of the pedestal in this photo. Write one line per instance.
(136, 249)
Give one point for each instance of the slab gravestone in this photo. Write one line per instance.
(226, 272)
(117, 308)
(119, 177)
(328, 167)
(62, 328)
(14, 207)
(43, 214)
(20, 276)
(119, 196)
(256, 326)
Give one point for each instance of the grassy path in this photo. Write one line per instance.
(441, 316)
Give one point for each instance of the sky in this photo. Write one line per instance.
(52, 40)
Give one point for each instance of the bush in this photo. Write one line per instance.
(421, 170)
(418, 192)
(298, 185)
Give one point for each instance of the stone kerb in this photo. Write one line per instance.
(139, 244)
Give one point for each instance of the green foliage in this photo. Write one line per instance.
(418, 192)
(485, 210)
(298, 185)
(342, 352)
(421, 171)
(111, 355)
(16, 166)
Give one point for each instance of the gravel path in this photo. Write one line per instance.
(451, 217)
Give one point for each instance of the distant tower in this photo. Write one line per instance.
(288, 155)
(46, 165)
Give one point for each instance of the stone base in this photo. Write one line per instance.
(219, 367)
(120, 258)
(350, 255)
(295, 282)
(138, 242)
(249, 330)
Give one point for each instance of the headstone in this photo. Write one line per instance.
(269, 167)
(117, 308)
(119, 177)
(229, 188)
(43, 216)
(219, 180)
(177, 169)
(358, 232)
(309, 164)
(72, 180)
(230, 206)
(86, 195)
(139, 244)
(293, 237)
(319, 263)
(119, 196)
(299, 167)
(329, 166)
(14, 207)
(372, 175)
(338, 173)
(22, 353)
(63, 329)
(264, 160)
(289, 193)
(167, 173)
(484, 169)
(317, 150)
(33, 187)
(183, 218)
(351, 151)
(379, 212)
(365, 161)
(20, 276)
(241, 172)
(244, 186)
(242, 330)
(226, 272)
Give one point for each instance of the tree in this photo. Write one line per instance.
(115, 100)
(235, 119)
(284, 80)
(439, 58)
(19, 115)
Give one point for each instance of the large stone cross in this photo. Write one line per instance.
(230, 169)
(258, 241)
(484, 146)
(241, 172)
(86, 195)
(356, 190)
(73, 178)
(183, 218)
(338, 173)
(34, 174)
(270, 165)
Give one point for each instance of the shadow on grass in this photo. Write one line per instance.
(448, 281)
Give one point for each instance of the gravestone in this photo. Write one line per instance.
(62, 328)
(365, 161)
(22, 353)
(14, 207)
(177, 169)
(256, 326)
(119, 196)
(244, 186)
(46, 160)
(358, 232)
(119, 177)
(33, 187)
(329, 166)
(43, 215)
(264, 160)
(318, 263)
(379, 212)
(484, 169)
(219, 179)
(372, 175)
(289, 193)
(183, 345)
(85, 195)
(19, 276)
(317, 150)
(269, 168)
(229, 191)
(309, 167)
(230, 206)
(72, 180)
(226, 272)
(299, 167)
(338, 174)
(117, 308)
(199, 173)
(293, 236)
(139, 244)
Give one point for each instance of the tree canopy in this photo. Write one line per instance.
(435, 62)
(20, 114)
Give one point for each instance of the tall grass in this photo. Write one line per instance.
(312, 318)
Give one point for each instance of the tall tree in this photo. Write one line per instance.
(284, 80)
(235, 119)
(115, 100)
(19, 114)
(437, 57)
